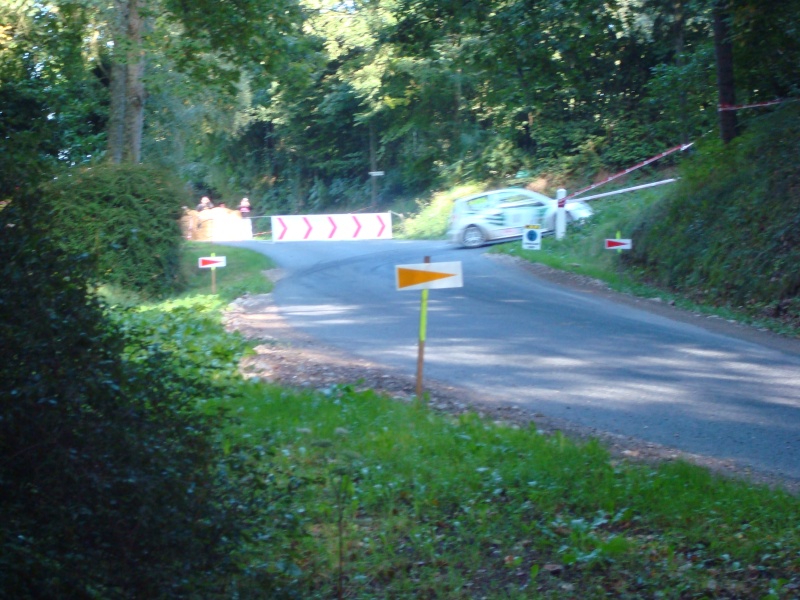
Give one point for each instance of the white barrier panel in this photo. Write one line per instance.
(329, 228)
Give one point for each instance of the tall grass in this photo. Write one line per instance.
(432, 215)
(407, 503)
(244, 271)
(397, 501)
(582, 249)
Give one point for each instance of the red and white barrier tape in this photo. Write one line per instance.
(644, 186)
(563, 201)
(724, 107)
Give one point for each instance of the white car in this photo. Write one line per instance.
(502, 214)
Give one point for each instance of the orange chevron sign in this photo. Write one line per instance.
(429, 276)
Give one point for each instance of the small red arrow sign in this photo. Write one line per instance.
(358, 227)
(207, 262)
(308, 233)
(619, 244)
(283, 233)
(333, 223)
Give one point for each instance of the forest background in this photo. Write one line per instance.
(293, 103)
(114, 115)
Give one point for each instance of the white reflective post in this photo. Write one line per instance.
(561, 214)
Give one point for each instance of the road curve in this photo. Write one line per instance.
(566, 353)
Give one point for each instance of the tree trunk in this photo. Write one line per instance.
(126, 113)
(134, 109)
(116, 114)
(115, 134)
(679, 26)
(725, 84)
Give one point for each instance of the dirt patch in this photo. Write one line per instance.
(288, 357)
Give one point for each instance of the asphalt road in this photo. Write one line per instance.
(565, 353)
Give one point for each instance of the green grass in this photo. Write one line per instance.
(401, 502)
(397, 501)
(582, 251)
(431, 217)
(244, 271)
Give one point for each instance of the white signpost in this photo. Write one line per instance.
(212, 262)
(427, 276)
(532, 237)
(619, 244)
(329, 228)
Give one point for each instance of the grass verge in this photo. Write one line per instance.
(400, 502)
(582, 251)
(397, 501)
(244, 271)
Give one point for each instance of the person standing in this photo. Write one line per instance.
(205, 202)
(244, 207)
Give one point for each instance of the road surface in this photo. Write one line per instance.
(560, 351)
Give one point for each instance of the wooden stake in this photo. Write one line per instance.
(213, 277)
(423, 326)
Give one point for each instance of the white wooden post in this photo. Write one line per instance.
(561, 214)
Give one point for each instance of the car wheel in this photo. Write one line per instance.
(473, 237)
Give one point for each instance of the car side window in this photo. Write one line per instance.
(481, 203)
(520, 200)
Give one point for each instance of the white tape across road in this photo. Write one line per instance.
(724, 107)
(563, 201)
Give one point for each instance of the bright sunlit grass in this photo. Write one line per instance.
(244, 271)
(399, 501)
(432, 215)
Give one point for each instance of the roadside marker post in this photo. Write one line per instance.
(619, 245)
(423, 328)
(532, 237)
(426, 276)
(212, 262)
(561, 214)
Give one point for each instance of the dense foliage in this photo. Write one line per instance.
(112, 483)
(126, 216)
(730, 233)
(432, 93)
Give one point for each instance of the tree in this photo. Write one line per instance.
(52, 109)
(113, 482)
(210, 41)
(726, 88)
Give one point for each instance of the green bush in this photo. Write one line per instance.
(113, 484)
(730, 230)
(127, 216)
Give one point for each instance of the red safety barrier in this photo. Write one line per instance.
(723, 107)
(563, 201)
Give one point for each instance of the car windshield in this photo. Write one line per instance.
(481, 203)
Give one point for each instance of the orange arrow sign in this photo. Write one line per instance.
(429, 276)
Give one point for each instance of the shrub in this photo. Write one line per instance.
(729, 231)
(112, 483)
(127, 216)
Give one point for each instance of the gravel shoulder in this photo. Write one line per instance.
(288, 357)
